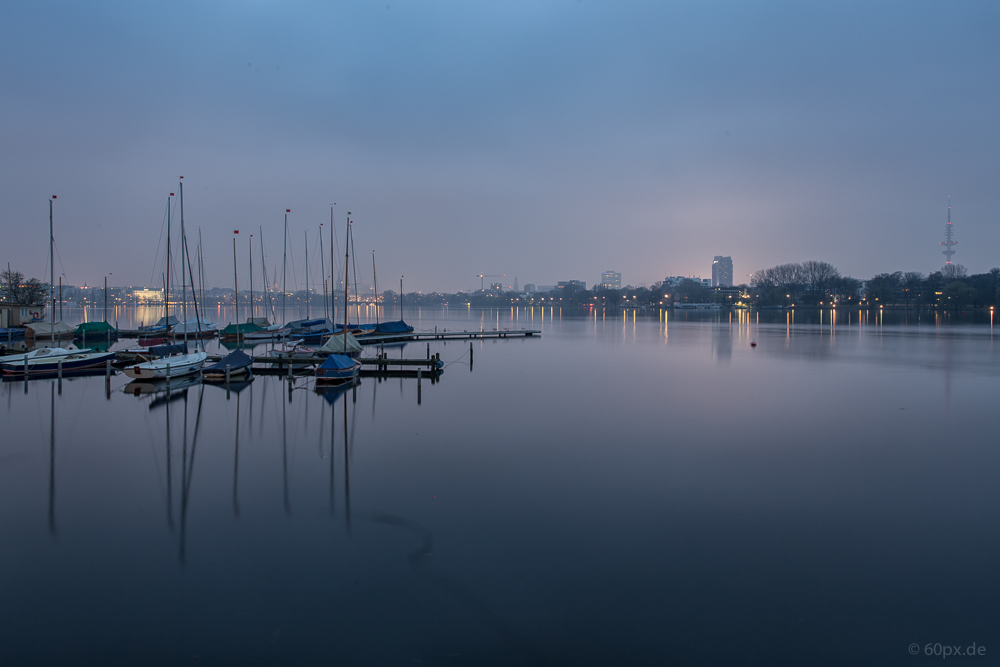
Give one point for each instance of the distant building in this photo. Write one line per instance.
(674, 281)
(545, 288)
(148, 295)
(611, 280)
(529, 288)
(496, 287)
(722, 271)
(577, 284)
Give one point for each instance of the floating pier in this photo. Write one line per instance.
(448, 335)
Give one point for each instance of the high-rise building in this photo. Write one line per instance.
(722, 271)
(611, 280)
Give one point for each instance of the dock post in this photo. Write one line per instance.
(289, 387)
(168, 376)
(354, 393)
(428, 350)
(60, 377)
(420, 374)
(26, 369)
(227, 382)
(470, 357)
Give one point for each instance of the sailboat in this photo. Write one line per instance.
(184, 363)
(267, 330)
(339, 368)
(53, 329)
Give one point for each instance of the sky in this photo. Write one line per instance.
(548, 140)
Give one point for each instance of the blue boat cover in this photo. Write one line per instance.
(309, 324)
(235, 360)
(383, 327)
(393, 327)
(167, 350)
(337, 362)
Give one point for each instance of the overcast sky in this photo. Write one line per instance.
(550, 140)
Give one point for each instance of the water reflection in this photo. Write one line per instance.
(579, 483)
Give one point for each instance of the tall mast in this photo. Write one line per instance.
(347, 253)
(375, 279)
(166, 285)
(284, 256)
(250, 255)
(184, 311)
(263, 270)
(201, 274)
(322, 270)
(52, 275)
(236, 287)
(308, 300)
(333, 302)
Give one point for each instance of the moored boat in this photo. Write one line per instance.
(238, 362)
(167, 367)
(340, 344)
(42, 352)
(79, 361)
(337, 369)
(195, 327)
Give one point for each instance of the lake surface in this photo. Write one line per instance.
(623, 490)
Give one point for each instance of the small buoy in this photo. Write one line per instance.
(753, 343)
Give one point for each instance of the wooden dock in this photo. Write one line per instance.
(449, 335)
(302, 362)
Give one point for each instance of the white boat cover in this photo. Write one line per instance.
(47, 329)
(191, 326)
(336, 345)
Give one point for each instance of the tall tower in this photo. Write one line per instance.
(948, 243)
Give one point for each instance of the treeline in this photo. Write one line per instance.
(820, 283)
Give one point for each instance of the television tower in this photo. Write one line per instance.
(948, 243)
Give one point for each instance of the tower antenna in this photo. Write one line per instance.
(948, 242)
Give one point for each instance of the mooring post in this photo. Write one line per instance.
(428, 350)
(289, 387)
(168, 375)
(227, 382)
(60, 376)
(420, 374)
(26, 367)
(470, 356)
(289, 372)
(354, 393)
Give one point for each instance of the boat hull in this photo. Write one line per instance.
(84, 361)
(168, 367)
(329, 376)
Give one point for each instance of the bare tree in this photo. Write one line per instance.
(15, 289)
(954, 272)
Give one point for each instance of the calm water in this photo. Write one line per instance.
(621, 490)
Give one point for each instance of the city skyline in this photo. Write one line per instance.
(502, 139)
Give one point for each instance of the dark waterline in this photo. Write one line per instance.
(626, 489)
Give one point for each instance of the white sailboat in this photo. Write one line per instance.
(185, 363)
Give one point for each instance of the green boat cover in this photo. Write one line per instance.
(94, 329)
(240, 329)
